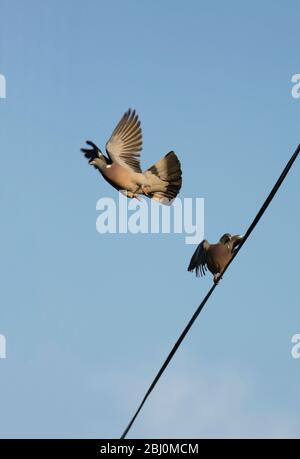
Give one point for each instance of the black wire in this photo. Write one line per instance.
(204, 301)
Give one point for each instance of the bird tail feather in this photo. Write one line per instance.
(165, 178)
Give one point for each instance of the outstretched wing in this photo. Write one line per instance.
(199, 260)
(126, 142)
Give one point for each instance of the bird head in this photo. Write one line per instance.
(225, 239)
(94, 155)
(236, 240)
(100, 162)
(232, 241)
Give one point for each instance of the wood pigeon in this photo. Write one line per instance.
(122, 169)
(214, 257)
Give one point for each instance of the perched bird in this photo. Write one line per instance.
(215, 257)
(122, 169)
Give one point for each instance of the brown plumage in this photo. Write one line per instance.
(214, 257)
(122, 169)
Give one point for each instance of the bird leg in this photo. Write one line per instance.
(133, 194)
(217, 278)
(145, 189)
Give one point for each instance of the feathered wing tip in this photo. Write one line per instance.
(91, 153)
(168, 171)
(126, 142)
(198, 260)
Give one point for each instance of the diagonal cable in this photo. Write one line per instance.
(204, 301)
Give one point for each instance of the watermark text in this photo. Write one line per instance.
(295, 351)
(296, 88)
(2, 347)
(2, 86)
(184, 216)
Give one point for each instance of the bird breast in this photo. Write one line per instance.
(121, 176)
(218, 256)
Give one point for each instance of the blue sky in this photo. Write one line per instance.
(89, 318)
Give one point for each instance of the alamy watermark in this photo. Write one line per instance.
(296, 88)
(295, 351)
(184, 216)
(2, 87)
(2, 347)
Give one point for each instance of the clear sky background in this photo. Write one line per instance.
(89, 318)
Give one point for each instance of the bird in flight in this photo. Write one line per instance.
(214, 257)
(121, 167)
